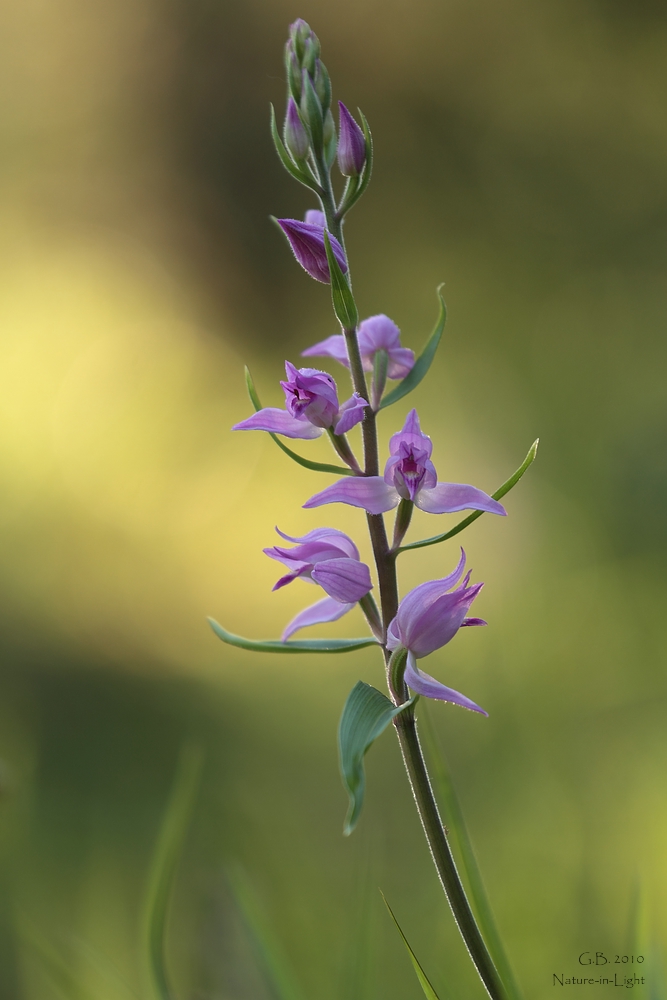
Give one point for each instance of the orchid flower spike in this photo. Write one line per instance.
(377, 333)
(428, 617)
(409, 475)
(311, 406)
(330, 559)
(307, 242)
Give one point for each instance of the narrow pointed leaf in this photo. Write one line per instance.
(167, 854)
(366, 715)
(423, 362)
(277, 971)
(341, 294)
(424, 981)
(500, 492)
(297, 646)
(338, 470)
(456, 825)
(297, 173)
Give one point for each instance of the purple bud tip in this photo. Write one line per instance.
(307, 242)
(351, 144)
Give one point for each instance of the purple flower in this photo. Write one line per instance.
(428, 618)
(375, 333)
(329, 558)
(311, 405)
(409, 475)
(351, 144)
(307, 242)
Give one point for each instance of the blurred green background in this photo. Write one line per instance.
(521, 158)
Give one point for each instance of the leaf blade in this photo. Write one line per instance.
(295, 646)
(423, 362)
(337, 470)
(424, 982)
(166, 856)
(344, 305)
(366, 714)
(500, 492)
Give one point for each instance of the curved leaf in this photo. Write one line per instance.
(366, 715)
(424, 981)
(337, 470)
(163, 869)
(297, 646)
(500, 492)
(423, 362)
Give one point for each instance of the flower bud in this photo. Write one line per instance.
(299, 33)
(351, 144)
(307, 242)
(311, 112)
(329, 139)
(294, 134)
(293, 70)
(322, 84)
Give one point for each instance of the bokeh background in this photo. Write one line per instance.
(521, 158)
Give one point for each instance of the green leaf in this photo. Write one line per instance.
(296, 646)
(163, 869)
(341, 294)
(338, 470)
(297, 173)
(456, 825)
(423, 362)
(500, 492)
(424, 981)
(366, 715)
(276, 969)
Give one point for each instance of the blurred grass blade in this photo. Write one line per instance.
(277, 972)
(423, 362)
(337, 470)
(641, 941)
(500, 492)
(456, 825)
(424, 981)
(165, 860)
(296, 646)
(58, 969)
(366, 715)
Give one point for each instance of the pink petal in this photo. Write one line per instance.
(344, 579)
(279, 422)
(446, 498)
(369, 492)
(401, 362)
(326, 610)
(331, 535)
(332, 347)
(351, 413)
(427, 686)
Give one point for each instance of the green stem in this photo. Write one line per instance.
(385, 561)
(413, 758)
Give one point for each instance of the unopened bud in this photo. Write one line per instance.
(322, 84)
(293, 70)
(311, 112)
(329, 138)
(309, 59)
(351, 144)
(294, 134)
(299, 33)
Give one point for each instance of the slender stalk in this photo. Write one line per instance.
(406, 729)
(405, 724)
